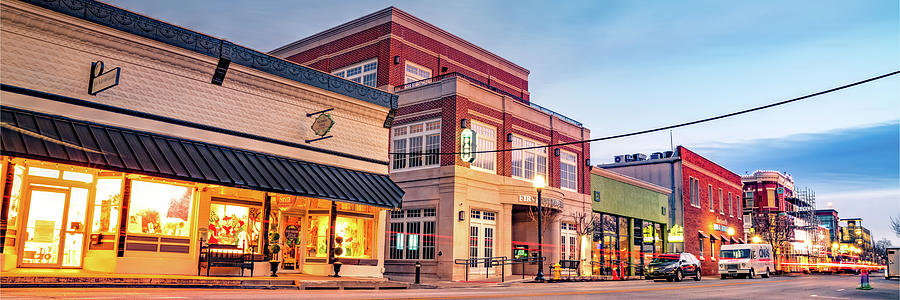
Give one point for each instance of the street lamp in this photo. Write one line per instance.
(756, 239)
(539, 185)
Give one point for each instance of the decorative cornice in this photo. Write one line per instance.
(123, 20)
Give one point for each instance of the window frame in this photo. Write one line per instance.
(417, 77)
(482, 157)
(730, 206)
(721, 202)
(426, 160)
(571, 163)
(422, 218)
(711, 201)
(342, 72)
(241, 203)
(520, 142)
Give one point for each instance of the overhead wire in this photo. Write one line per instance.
(666, 127)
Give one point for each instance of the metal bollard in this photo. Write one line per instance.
(418, 271)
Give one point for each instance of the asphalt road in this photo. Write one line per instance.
(802, 287)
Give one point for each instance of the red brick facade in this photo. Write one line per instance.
(702, 218)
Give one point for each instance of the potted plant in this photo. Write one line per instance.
(274, 249)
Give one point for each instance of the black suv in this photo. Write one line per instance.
(674, 267)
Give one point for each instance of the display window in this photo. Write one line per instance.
(236, 225)
(107, 203)
(354, 237)
(317, 240)
(15, 195)
(159, 208)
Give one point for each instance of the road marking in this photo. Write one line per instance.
(582, 292)
(840, 290)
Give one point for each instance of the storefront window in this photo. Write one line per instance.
(15, 195)
(234, 225)
(158, 208)
(107, 201)
(317, 241)
(354, 236)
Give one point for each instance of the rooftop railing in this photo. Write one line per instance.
(487, 86)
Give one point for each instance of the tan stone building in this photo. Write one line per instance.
(196, 143)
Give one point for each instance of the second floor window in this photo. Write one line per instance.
(710, 198)
(413, 143)
(721, 203)
(365, 72)
(486, 140)
(530, 162)
(694, 188)
(568, 173)
(416, 72)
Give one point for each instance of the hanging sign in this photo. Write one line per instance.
(467, 145)
(322, 124)
(101, 81)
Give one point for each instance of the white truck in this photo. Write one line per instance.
(893, 263)
(746, 260)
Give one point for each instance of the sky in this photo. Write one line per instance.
(623, 66)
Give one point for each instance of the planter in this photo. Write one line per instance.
(337, 269)
(274, 266)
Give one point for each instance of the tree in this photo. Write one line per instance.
(548, 217)
(880, 249)
(776, 229)
(585, 224)
(895, 225)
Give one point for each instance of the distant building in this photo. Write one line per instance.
(705, 210)
(856, 239)
(830, 220)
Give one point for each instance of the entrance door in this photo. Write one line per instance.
(482, 225)
(54, 231)
(292, 248)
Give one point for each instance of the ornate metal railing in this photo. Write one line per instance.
(487, 86)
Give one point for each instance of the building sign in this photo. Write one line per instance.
(720, 220)
(548, 202)
(720, 227)
(101, 81)
(322, 124)
(676, 234)
(284, 202)
(779, 190)
(467, 145)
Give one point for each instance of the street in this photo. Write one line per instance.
(801, 287)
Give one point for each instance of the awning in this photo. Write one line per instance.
(733, 240)
(713, 237)
(53, 138)
(703, 234)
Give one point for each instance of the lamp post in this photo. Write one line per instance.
(539, 185)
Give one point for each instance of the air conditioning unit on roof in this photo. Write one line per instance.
(656, 155)
(639, 156)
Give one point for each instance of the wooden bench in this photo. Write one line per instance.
(215, 255)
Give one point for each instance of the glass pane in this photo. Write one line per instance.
(317, 241)
(77, 208)
(356, 237)
(34, 171)
(73, 247)
(44, 227)
(75, 176)
(15, 195)
(107, 201)
(158, 208)
(228, 225)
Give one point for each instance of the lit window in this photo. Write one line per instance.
(365, 72)
(486, 140)
(354, 237)
(158, 208)
(107, 202)
(76, 176)
(41, 172)
(234, 225)
(528, 163)
(317, 240)
(413, 143)
(568, 171)
(15, 195)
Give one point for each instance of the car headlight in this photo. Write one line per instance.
(743, 265)
(721, 266)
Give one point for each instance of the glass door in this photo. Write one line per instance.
(291, 248)
(75, 228)
(44, 227)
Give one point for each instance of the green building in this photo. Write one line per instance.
(629, 221)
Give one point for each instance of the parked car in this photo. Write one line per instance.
(746, 260)
(674, 267)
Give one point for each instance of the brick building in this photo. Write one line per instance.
(455, 209)
(172, 160)
(704, 208)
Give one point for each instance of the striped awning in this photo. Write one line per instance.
(54, 138)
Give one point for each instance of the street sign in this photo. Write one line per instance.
(101, 81)
(467, 145)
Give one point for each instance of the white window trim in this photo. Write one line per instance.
(572, 163)
(421, 219)
(417, 66)
(494, 154)
(712, 198)
(545, 155)
(362, 73)
(692, 192)
(424, 134)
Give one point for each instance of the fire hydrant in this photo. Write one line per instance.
(557, 272)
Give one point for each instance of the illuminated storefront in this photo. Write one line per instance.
(143, 177)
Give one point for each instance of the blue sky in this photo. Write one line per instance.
(621, 66)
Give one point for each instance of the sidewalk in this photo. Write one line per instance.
(79, 278)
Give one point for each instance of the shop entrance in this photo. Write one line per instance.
(54, 227)
(292, 250)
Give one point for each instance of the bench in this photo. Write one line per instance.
(215, 255)
(569, 266)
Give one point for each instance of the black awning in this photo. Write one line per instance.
(59, 139)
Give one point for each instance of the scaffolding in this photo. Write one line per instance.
(805, 215)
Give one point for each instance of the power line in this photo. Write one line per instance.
(670, 126)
